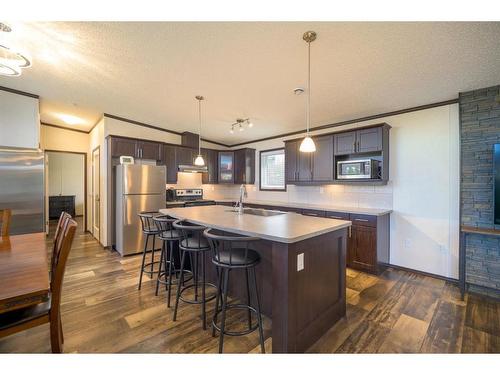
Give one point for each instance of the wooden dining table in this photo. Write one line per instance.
(24, 275)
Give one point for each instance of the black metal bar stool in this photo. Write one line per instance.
(230, 253)
(148, 229)
(194, 244)
(169, 235)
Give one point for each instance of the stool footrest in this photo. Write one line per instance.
(208, 297)
(237, 306)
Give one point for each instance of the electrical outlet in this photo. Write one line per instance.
(254, 188)
(443, 249)
(300, 262)
(408, 243)
(321, 190)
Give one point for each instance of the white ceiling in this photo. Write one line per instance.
(150, 72)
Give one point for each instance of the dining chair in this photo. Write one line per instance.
(63, 219)
(5, 214)
(49, 311)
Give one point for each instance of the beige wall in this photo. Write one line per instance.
(67, 177)
(63, 140)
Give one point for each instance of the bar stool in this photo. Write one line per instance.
(230, 253)
(167, 269)
(148, 229)
(194, 244)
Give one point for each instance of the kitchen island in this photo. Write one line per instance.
(304, 298)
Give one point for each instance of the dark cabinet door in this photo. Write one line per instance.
(369, 140)
(345, 143)
(123, 147)
(323, 159)
(291, 151)
(169, 159)
(244, 166)
(362, 248)
(226, 167)
(210, 157)
(304, 165)
(185, 156)
(149, 150)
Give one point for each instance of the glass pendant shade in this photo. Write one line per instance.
(307, 145)
(199, 161)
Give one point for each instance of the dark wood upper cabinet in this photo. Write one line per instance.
(304, 166)
(244, 166)
(185, 155)
(345, 143)
(322, 163)
(211, 161)
(149, 150)
(170, 161)
(123, 147)
(369, 140)
(226, 167)
(189, 139)
(359, 141)
(291, 156)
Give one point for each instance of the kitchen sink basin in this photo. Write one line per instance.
(258, 212)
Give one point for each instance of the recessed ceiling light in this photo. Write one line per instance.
(70, 119)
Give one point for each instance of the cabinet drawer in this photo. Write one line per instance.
(365, 220)
(317, 213)
(337, 215)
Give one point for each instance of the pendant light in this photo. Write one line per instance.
(199, 159)
(307, 144)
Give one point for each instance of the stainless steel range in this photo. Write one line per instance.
(188, 197)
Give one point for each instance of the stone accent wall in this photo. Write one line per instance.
(480, 130)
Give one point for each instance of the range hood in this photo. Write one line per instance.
(191, 140)
(192, 168)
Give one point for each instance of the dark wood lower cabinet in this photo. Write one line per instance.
(362, 248)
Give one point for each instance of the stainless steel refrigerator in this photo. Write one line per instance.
(139, 188)
(22, 189)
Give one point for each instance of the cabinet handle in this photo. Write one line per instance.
(364, 220)
(350, 231)
(311, 214)
(357, 147)
(335, 217)
(354, 146)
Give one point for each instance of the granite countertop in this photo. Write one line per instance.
(285, 228)
(351, 210)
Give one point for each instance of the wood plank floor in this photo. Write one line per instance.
(396, 312)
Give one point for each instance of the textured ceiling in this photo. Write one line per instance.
(150, 72)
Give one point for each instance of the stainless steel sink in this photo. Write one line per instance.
(258, 212)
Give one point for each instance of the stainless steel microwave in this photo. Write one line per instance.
(358, 169)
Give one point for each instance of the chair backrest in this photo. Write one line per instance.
(164, 223)
(193, 231)
(67, 235)
(61, 224)
(147, 222)
(5, 214)
(226, 244)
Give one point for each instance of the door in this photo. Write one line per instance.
(210, 157)
(362, 248)
(96, 193)
(291, 149)
(345, 143)
(185, 156)
(169, 160)
(304, 172)
(323, 159)
(123, 146)
(46, 183)
(226, 167)
(369, 140)
(149, 150)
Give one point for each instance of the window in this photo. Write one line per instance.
(272, 170)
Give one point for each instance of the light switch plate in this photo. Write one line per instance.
(300, 262)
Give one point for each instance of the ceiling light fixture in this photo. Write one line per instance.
(199, 159)
(307, 144)
(240, 124)
(11, 60)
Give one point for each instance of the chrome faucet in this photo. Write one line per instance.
(243, 194)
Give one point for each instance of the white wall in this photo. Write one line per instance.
(422, 190)
(19, 121)
(66, 177)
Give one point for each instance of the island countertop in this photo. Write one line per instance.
(285, 228)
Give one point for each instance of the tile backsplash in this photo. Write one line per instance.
(338, 195)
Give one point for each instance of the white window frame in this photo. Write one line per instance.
(272, 152)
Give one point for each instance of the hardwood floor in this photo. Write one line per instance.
(396, 312)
